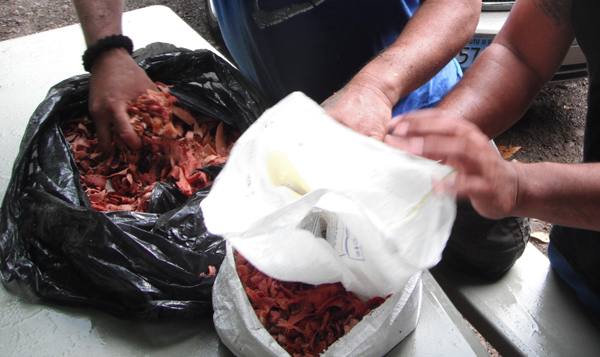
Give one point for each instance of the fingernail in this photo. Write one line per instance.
(416, 146)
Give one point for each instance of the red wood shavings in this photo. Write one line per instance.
(212, 271)
(175, 147)
(304, 319)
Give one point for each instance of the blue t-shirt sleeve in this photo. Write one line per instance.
(429, 94)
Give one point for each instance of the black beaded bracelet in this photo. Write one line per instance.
(104, 44)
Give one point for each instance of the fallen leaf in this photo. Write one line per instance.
(508, 151)
(543, 237)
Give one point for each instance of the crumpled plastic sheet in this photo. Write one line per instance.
(144, 265)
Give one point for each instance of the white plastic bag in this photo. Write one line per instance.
(295, 169)
(375, 335)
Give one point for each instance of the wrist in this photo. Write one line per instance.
(105, 44)
(521, 190)
(383, 73)
(116, 60)
(367, 82)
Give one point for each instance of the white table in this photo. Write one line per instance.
(29, 327)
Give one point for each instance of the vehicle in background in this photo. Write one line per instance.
(493, 15)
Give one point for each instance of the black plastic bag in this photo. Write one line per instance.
(147, 265)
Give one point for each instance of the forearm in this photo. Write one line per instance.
(495, 92)
(99, 18)
(503, 81)
(566, 194)
(432, 37)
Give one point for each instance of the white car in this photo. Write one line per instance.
(493, 16)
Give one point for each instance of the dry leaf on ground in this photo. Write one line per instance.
(508, 151)
(543, 237)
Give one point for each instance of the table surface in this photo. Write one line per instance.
(28, 326)
(529, 311)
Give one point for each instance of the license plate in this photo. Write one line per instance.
(468, 54)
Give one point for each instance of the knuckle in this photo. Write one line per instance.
(95, 107)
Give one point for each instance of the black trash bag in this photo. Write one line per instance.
(146, 265)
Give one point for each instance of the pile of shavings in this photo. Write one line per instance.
(176, 146)
(304, 319)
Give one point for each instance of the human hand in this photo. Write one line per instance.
(362, 108)
(490, 182)
(116, 79)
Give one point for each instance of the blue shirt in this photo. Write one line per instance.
(317, 46)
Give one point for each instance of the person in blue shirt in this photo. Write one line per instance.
(318, 47)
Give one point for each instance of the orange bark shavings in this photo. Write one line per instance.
(175, 147)
(304, 319)
(212, 271)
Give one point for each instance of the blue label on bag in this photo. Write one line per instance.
(353, 248)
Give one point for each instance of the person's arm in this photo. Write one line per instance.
(438, 30)
(504, 80)
(566, 194)
(115, 77)
(494, 93)
(99, 18)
